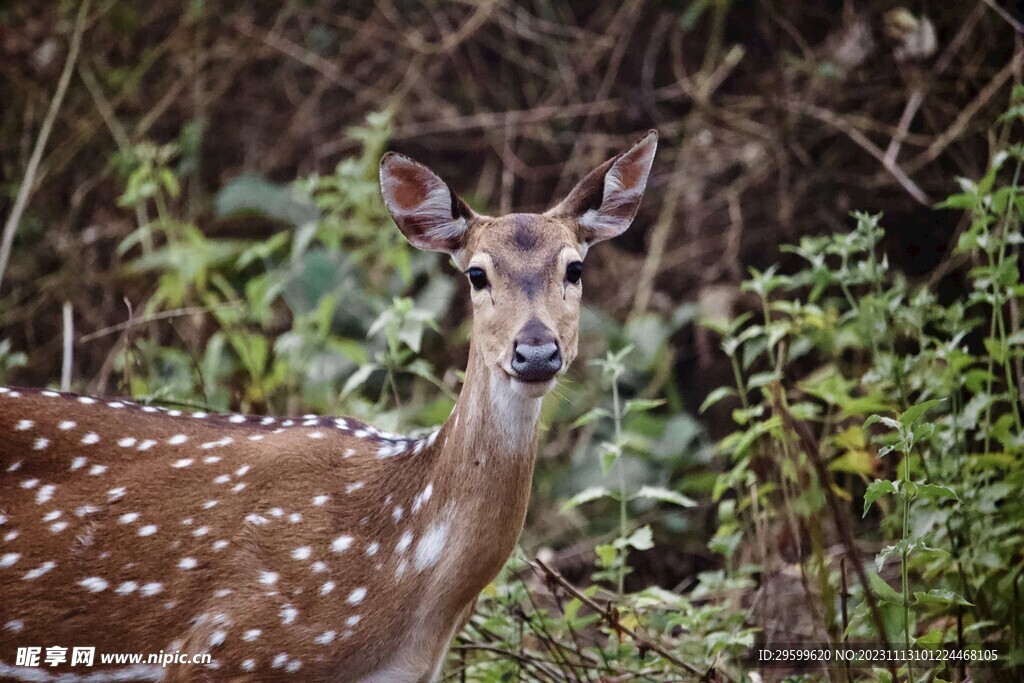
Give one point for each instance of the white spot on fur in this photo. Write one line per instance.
(91, 438)
(422, 498)
(66, 425)
(93, 584)
(302, 553)
(341, 544)
(34, 574)
(177, 440)
(356, 596)
(404, 542)
(430, 545)
(187, 563)
(45, 493)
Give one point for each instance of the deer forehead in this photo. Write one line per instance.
(520, 240)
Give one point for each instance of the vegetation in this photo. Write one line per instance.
(855, 474)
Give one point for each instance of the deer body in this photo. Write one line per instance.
(318, 548)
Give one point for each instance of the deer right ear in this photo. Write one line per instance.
(426, 211)
(606, 200)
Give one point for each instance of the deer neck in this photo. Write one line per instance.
(492, 425)
(487, 452)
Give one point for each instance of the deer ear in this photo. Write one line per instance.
(606, 201)
(426, 211)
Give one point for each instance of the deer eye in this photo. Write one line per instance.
(574, 271)
(477, 277)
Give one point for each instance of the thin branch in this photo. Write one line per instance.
(28, 181)
(1006, 16)
(810, 448)
(862, 141)
(69, 348)
(611, 618)
(967, 114)
(164, 315)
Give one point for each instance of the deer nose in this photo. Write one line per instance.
(535, 354)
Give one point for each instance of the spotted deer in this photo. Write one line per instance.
(317, 548)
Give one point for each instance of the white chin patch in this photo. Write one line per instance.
(532, 389)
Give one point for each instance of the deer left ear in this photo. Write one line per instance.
(606, 201)
(426, 211)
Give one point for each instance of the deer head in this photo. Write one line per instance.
(525, 270)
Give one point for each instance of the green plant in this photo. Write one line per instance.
(889, 371)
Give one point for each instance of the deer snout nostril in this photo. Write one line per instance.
(536, 362)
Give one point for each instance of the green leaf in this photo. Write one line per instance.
(606, 554)
(996, 349)
(913, 413)
(609, 453)
(938, 596)
(716, 396)
(585, 496)
(665, 496)
(936, 491)
(641, 539)
(358, 378)
(592, 415)
(877, 489)
(884, 591)
(640, 405)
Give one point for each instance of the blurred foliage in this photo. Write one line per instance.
(915, 405)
